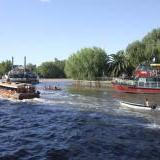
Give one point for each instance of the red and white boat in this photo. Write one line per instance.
(146, 79)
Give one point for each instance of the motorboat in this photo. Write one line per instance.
(139, 106)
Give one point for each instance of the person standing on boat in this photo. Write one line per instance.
(146, 103)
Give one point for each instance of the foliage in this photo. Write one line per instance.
(119, 63)
(31, 67)
(52, 69)
(86, 64)
(5, 66)
(136, 53)
(152, 44)
(90, 63)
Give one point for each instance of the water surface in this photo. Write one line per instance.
(78, 124)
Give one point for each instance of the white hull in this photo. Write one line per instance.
(137, 106)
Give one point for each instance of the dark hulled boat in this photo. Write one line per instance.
(18, 91)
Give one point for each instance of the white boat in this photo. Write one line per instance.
(139, 106)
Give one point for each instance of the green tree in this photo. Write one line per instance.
(5, 66)
(86, 64)
(52, 69)
(31, 67)
(152, 45)
(119, 63)
(136, 53)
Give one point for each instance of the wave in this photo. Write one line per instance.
(153, 125)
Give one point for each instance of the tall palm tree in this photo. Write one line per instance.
(118, 64)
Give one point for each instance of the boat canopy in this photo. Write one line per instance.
(155, 65)
(14, 85)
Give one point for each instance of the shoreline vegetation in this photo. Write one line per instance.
(88, 64)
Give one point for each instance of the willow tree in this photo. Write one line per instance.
(152, 44)
(86, 64)
(136, 53)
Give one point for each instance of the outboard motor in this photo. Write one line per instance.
(154, 106)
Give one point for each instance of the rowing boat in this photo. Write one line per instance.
(139, 106)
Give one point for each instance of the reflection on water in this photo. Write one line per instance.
(78, 124)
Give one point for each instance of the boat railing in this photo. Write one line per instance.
(137, 83)
(124, 81)
(148, 84)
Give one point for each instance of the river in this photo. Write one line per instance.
(78, 124)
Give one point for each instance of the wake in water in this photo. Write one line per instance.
(76, 125)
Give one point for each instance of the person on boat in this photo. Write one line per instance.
(8, 80)
(146, 103)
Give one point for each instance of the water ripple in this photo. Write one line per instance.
(76, 126)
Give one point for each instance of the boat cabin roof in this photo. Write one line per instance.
(14, 85)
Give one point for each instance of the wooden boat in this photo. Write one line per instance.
(139, 106)
(18, 90)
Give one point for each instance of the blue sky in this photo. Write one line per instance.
(45, 29)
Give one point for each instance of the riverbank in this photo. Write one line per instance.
(81, 83)
(91, 84)
(54, 80)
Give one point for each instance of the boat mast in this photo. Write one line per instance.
(25, 64)
(12, 62)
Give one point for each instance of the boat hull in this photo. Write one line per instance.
(19, 96)
(137, 106)
(134, 89)
(18, 90)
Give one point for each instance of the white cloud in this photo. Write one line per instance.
(45, 0)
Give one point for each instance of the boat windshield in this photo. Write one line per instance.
(144, 67)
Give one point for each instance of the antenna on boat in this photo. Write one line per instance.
(25, 63)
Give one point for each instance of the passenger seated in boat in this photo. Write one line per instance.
(8, 81)
(146, 103)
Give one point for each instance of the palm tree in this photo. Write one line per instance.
(118, 64)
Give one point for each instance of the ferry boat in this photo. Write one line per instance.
(18, 91)
(146, 79)
(21, 74)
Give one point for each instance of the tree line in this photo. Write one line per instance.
(90, 63)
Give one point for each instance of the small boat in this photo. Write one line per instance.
(18, 91)
(52, 88)
(139, 106)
